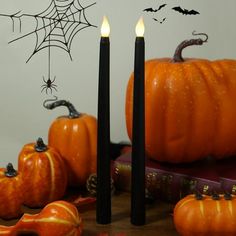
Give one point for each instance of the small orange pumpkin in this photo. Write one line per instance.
(202, 215)
(75, 137)
(12, 190)
(189, 107)
(43, 173)
(58, 218)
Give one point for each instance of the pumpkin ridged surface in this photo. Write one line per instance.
(205, 217)
(44, 175)
(11, 197)
(59, 218)
(76, 141)
(189, 109)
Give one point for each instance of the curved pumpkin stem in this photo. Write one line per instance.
(186, 43)
(73, 113)
(10, 171)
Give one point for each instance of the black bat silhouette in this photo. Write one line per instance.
(185, 11)
(155, 10)
(155, 19)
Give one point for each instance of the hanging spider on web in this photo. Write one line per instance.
(56, 27)
(49, 85)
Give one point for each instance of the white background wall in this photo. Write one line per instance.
(23, 117)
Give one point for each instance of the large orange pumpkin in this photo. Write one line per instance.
(75, 137)
(189, 107)
(205, 215)
(43, 173)
(12, 190)
(58, 218)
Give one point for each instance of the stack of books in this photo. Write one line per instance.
(171, 182)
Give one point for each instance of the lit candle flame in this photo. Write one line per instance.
(105, 29)
(140, 28)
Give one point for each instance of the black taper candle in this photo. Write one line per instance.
(138, 137)
(103, 211)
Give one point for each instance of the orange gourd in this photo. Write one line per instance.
(189, 107)
(75, 137)
(43, 173)
(12, 190)
(58, 218)
(206, 215)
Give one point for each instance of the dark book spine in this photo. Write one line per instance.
(228, 185)
(165, 185)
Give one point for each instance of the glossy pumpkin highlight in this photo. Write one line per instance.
(43, 173)
(75, 137)
(189, 108)
(12, 190)
(58, 218)
(206, 216)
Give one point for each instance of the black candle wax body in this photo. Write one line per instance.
(138, 137)
(103, 139)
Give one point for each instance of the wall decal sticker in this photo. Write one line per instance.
(155, 19)
(177, 9)
(48, 85)
(150, 9)
(13, 17)
(185, 11)
(56, 26)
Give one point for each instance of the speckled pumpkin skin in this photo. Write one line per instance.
(11, 196)
(76, 141)
(189, 108)
(205, 217)
(58, 218)
(44, 175)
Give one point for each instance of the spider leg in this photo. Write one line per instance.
(54, 79)
(54, 87)
(50, 89)
(44, 80)
(44, 87)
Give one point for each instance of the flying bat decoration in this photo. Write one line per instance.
(185, 11)
(155, 19)
(150, 9)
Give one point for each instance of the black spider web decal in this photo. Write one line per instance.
(57, 25)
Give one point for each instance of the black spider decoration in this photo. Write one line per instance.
(49, 84)
(56, 27)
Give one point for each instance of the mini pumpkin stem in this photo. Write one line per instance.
(10, 171)
(227, 196)
(215, 196)
(40, 146)
(198, 196)
(186, 43)
(73, 113)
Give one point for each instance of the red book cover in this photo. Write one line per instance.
(171, 182)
